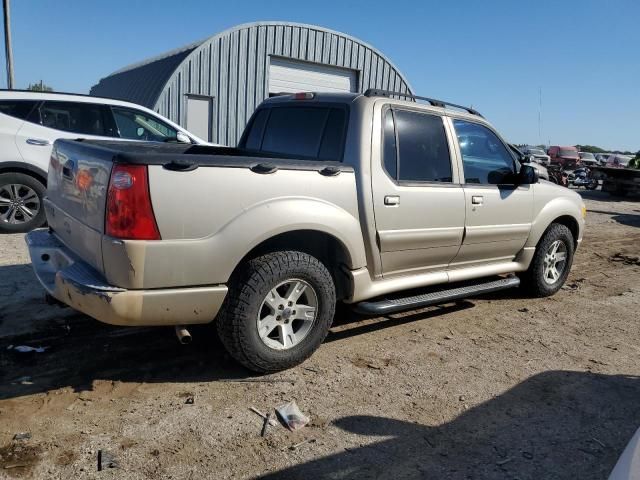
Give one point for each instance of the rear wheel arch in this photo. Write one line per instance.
(328, 249)
(25, 169)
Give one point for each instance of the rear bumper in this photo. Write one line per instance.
(76, 284)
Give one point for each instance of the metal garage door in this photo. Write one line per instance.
(289, 76)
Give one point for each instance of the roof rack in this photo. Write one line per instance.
(374, 92)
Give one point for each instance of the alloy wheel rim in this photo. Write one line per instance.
(555, 262)
(18, 203)
(287, 314)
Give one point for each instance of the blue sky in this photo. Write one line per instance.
(494, 55)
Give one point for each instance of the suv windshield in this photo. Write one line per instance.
(536, 151)
(568, 153)
(587, 156)
(311, 132)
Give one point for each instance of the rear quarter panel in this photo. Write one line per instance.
(211, 217)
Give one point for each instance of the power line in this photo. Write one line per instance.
(7, 43)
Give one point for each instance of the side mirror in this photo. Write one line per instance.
(182, 138)
(528, 175)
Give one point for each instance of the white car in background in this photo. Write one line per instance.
(31, 121)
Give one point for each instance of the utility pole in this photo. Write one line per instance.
(7, 43)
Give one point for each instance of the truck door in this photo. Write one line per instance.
(498, 212)
(418, 202)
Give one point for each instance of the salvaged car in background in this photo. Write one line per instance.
(31, 121)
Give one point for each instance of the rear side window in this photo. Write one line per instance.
(17, 108)
(83, 118)
(422, 149)
(308, 132)
(390, 150)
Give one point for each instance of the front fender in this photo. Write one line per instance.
(551, 210)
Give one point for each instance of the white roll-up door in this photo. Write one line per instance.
(290, 76)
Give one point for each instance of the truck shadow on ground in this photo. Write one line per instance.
(557, 424)
(630, 219)
(79, 350)
(601, 196)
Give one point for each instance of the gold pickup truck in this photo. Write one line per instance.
(354, 198)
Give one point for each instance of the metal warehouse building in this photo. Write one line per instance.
(212, 87)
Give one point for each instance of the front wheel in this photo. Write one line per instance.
(278, 310)
(551, 263)
(21, 207)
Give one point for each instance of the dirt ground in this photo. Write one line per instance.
(498, 387)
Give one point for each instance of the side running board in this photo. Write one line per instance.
(434, 297)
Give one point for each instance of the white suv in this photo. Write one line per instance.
(31, 121)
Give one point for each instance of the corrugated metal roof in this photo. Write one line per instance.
(232, 68)
(142, 82)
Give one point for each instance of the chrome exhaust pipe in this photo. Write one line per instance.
(184, 337)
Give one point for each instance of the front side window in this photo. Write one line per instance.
(17, 108)
(423, 152)
(307, 132)
(485, 159)
(137, 125)
(83, 118)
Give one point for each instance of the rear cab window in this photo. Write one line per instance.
(313, 132)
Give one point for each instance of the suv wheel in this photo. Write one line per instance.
(278, 310)
(21, 207)
(551, 263)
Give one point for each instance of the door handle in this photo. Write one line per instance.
(38, 142)
(477, 200)
(392, 200)
(69, 169)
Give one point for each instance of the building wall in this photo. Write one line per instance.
(232, 67)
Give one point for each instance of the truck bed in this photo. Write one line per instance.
(203, 199)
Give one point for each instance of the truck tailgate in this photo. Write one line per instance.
(76, 197)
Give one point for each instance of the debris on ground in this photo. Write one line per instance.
(22, 436)
(523, 310)
(189, 401)
(625, 258)
(26, 348)
(265, 425)
(272, 421)
(291, 416)
(106, 460)
(304, 442)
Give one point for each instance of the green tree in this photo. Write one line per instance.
(39, 87)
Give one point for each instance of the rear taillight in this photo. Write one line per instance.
(129, 211)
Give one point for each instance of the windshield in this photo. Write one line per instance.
(536, 151)
(619, 160)
(587, 156)
(568, 153)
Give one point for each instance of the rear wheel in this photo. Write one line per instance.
(21, 207)
(551, 263)
(278, 310)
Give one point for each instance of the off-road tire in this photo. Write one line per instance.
(532, 281)
(248, 288)
(36, 186)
